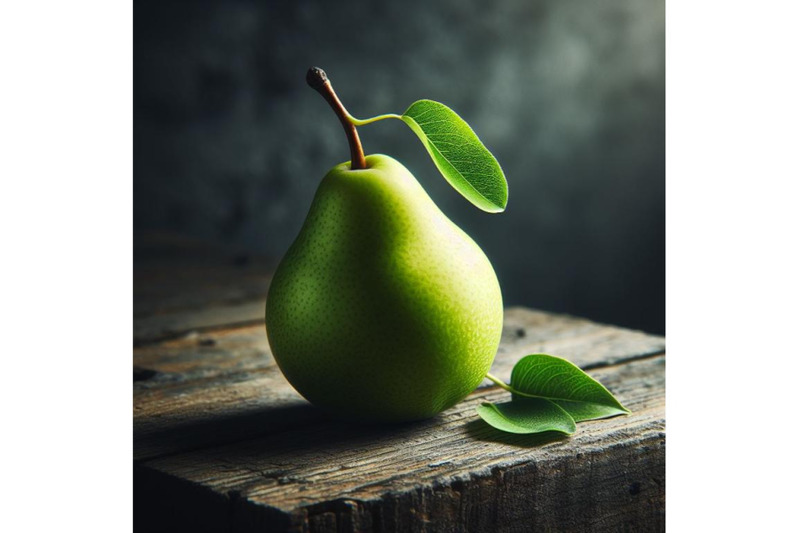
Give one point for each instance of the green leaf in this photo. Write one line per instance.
(527, 415)
(458, 154)
(570, 387)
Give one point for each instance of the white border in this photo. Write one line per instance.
(732, 264)
(66, 223)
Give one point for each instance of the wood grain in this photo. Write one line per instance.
(223, 442)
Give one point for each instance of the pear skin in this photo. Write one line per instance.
(382, 309)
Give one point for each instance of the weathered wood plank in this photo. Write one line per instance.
(150, 329)
(452, 473)
(222, 386)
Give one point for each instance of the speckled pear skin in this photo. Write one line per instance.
(382, 309)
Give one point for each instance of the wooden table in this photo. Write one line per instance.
(223, 443)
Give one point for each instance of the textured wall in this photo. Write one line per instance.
(230, 144)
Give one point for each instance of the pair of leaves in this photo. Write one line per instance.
(459, 155)
(550, 394)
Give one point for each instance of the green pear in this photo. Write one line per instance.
(382, 309)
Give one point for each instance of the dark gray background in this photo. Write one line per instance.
(230, 144)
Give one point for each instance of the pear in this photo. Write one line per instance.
(382, 308)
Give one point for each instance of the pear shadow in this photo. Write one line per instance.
(197, 433)
(481, 431)
(308, 427)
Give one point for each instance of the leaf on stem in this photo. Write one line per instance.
(458, 154)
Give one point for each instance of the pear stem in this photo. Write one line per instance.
(318, 80)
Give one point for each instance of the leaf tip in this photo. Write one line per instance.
(496, 208)
(499, 208)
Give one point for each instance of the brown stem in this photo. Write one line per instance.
(318, 81)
